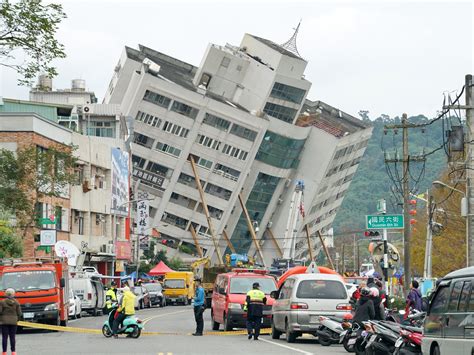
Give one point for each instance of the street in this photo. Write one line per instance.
(177, 320)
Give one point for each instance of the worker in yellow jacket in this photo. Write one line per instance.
(254, 307)
(126, 309)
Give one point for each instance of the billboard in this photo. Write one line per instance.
(142, 217)
(123, 250)
(120, 187)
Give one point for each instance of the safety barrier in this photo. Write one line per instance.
(60, 328)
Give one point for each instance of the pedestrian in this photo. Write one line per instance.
(254, 303)
(10, 313)
(199, 307)
(414, 298)
(365, 307)
(126, 309)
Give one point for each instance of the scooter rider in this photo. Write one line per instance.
(365, 309)
(110, 297)
(126, 309)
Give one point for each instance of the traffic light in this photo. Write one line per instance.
(372, 233)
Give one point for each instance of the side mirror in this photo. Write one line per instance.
(274, 294)
(222, 290)
(62, 282)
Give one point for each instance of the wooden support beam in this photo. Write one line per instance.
(206, 211)
(310, 249)
(229, 243)
(251, 230)
(196, 241)
(325, 250)
(270, 233)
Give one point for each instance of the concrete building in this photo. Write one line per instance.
(86, 216)
(237, 116)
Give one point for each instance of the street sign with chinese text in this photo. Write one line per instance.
(394, 221)
(142, 217)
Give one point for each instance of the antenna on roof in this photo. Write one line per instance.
(290, 45)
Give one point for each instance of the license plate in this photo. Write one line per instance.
(28, 315)
(399, 342)
(352, 341)
(314, 319)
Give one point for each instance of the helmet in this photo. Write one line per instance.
(374, 292)
(347, 316)
(255, 285)
(113, 283)
(365, 291)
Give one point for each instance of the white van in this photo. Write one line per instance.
(302, 299)
(449, 325)
(91, 292)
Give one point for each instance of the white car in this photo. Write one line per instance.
(351, 288)
(75, 308)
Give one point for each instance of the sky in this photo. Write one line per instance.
(382, 56)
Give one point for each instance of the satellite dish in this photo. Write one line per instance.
(65, 249)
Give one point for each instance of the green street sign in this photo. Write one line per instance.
(392, 221)
(46, 221)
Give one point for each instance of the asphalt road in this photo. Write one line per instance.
(178, 322)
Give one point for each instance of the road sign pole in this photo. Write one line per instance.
(385, 259)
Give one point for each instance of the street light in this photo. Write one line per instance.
(464, 212)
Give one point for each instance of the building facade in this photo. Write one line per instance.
(243, 117)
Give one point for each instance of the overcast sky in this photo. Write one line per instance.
(385, 57)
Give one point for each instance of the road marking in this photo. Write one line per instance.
(146, 320)
(286, 347)
(164, 353)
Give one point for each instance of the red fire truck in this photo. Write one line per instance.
(41, 288)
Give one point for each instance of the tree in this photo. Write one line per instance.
(176, 263)
(10, 244)
(449, 246)
(29, 27)
(31, 174)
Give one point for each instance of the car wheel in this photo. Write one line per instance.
(290, 336)
(140, 305)
(215, 325)
(78, 315)
(149, 304)
(435, 350)
(324, 341)
(227, 326)
(275, 332)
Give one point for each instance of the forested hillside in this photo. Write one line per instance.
(372, 180)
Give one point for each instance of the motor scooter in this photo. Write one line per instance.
(132, 326)
(409, 342)
(331, 328)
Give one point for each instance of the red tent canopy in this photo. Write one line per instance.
(160, 269)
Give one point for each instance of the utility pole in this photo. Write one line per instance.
(429, 236)
(469, 88)
(406, 160)
(469, 107)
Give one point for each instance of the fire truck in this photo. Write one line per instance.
(41, 287)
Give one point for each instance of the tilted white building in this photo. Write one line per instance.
(244, 118)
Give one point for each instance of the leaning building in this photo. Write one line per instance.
(241, 123)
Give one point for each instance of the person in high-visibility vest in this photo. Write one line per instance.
(110, 296)
(254, 307)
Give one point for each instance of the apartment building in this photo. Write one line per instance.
(237, 115)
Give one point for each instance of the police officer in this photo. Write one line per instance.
(254, 307)
(110, 297)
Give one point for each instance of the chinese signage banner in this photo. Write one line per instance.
(120, 189)
(142, 217)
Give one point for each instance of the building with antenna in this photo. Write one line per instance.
(243, 119)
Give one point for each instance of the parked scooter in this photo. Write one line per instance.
(132, 326)
(382, 341)
(330, 329)
(409, 342)
(349, 336)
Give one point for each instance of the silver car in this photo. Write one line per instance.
(302, 299)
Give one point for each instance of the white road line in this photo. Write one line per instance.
(286, 346)
(162, 315)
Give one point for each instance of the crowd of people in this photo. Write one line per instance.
(370, 300)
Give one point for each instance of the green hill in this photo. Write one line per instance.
(372, 181)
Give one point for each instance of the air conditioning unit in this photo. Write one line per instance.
(109, 248)
(103, 248)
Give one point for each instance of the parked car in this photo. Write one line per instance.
(155, 291)
(229, 294)
(75, 308)
(448, 327)
(91, 292)
(143, 297)
(302, 299)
